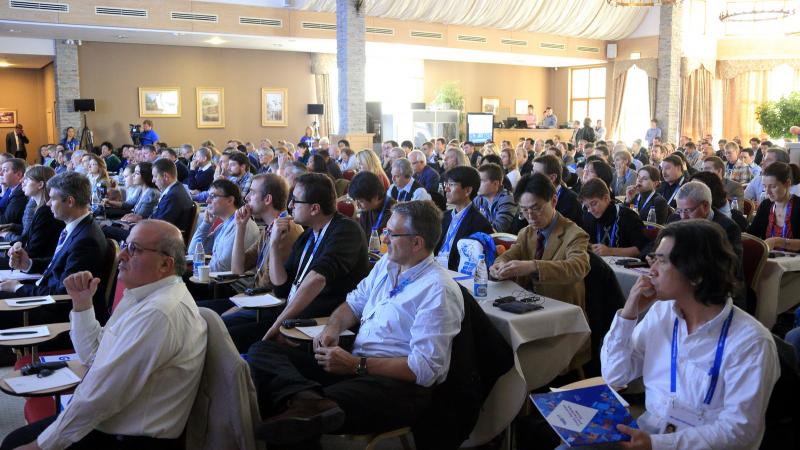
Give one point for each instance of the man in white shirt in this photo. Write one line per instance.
(409, 309)
(145, 364)
(404, 187)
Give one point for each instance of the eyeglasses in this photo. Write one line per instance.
(302, 202)
(684, 211)
(212, 196)
(533, 209)
(132, 248)
(390, 235)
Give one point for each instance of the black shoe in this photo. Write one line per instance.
(303, 419)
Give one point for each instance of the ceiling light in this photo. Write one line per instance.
(5, 64)
(216, 40)
(642, 2)
(11, 30)
(177, 33)
(755, 13)
(121, 36)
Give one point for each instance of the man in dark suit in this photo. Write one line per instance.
(182, 170)
(462, 184)
(567, 204)
(201, 172)
(81, 246)
(13, 201)
(15, 142)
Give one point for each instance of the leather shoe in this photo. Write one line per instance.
(302, 419)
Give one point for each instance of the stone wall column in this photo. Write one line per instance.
(351, 63)
(68, 87)
(668, 87)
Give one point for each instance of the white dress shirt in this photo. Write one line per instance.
(145, 364)
(419, 194)
(735, 417)
(419, 322)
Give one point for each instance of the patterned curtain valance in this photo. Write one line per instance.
(727, 69)
(649, 65)
(323, 63)
(689, 65)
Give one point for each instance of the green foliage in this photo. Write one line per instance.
(776, 117)
(450, 94)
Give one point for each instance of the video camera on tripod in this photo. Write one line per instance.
(136, 133)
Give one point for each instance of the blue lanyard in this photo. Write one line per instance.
(611, 238)
(377, 224)
(298, 280)
(558, 193)
(645, 202)
(451, 233)
(714, 372)
(785, 220)
(262, 254)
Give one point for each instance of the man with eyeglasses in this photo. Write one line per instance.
(315, 272)
(550, 255)
(81, 246)
(404, 187)
(146, 362)
(409, 310)
(424, 174)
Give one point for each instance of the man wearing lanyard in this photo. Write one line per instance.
(672, 171)
(708, 367)
(462, 184)
(404, 187)
(494, 202)
(376, 207)
(409, 310)
(614, 229)
(223, 200)
(327, 261)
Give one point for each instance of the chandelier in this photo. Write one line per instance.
(765, 12)
(642, 2)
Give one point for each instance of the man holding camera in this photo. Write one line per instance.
(148, 137)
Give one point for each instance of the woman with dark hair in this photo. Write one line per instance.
(708, 367)
(145, 201)
(70, 141)
(777, 220)
(316, 164)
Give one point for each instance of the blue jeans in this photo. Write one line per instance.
(793, 337)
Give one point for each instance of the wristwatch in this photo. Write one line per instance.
(361, 368)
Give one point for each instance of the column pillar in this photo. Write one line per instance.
(67, 87)
(668, 87)
(351, 62)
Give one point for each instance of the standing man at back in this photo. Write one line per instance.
(15, 142)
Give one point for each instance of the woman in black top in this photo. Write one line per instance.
(614, 229)
(642, 196)
(778, 218)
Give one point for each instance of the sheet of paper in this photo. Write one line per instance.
(59, 358)
(31, 383)
(312, 332)
(17, 275)
(26, 333)
(571, 416)
(30, 301)
(217, 274)
(256, 301)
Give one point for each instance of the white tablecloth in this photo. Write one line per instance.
(544, 343)
(626, 277)
(778, 289)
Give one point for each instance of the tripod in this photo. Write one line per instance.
(87, 139)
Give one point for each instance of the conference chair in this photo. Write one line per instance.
(346, 208)
(349, 174)
(651, 230)
(341, 185)
(189, 232)
(748, 209)
(109, 279)
(604, 298)
(754, 255)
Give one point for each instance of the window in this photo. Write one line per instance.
(588, 94)
(634, 116)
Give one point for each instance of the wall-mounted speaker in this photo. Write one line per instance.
(611, 51)
(315, 108)
(83, 104)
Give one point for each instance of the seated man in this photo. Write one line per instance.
(691, 336)
(614, 229)
(221, 171)
(462, 184)
(409, 309)
(239, 171)
(672, 172)
(81, 247)
(424, 174)
(404, 187)
(715, 165)
(567, 204)
(694, 202)
(550, 255)
(494, 202)
(376, 207)
(143, 376)
(201, 171)
(13, 200)
(224, 199)
(315, 271)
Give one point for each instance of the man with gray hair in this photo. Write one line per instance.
(201, 171)
(455, 157)
(409, 308)
(755, 189)
(146, 362)
(424, 174)
(404, 187)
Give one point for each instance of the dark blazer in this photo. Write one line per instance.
(666, 190)
(15, 208)
(569, 206)
(175, 207)
(428, 178)
(41, 238)
(630, 228)
(84, 249)
(183, 171)
(11, 145)
(761, 220)
(473, 222)
(200, 180)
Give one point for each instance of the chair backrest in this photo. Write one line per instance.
(748, 208)
(346, 208)
(111, 274)
(189, 232)
(505, 240)
(754, 254)
(651, 230)
(341, 185)
(349, 174)
(604, 297)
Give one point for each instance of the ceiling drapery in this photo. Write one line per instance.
(590, 19)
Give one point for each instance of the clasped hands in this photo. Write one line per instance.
(512, 269)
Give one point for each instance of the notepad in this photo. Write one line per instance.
(313, 331)
(24, 333)
(30, 301)
(59, 358)
(17, 275)
(256, 301)
(31, 383)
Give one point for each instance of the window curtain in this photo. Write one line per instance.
(741, 96)
(616, 105)
(321, 66)
(651, 91)
(696, 107)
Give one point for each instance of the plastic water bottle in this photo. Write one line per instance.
(374, 242)
(481, 284)
(651, 215)
(735, 204)
(199, 258)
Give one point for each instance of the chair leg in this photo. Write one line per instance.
(404, 442)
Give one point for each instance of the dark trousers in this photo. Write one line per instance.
(242, 325)
(93, 441)
(371, 403)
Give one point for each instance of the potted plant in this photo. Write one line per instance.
(449, 96)
(777, 117)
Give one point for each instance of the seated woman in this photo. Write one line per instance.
(642, 196)
(376, 207)
(777, 220)
(509, 159)
(129, 195)
(708, 367)
(148, 194)
(614, 229)
(39, 239)
(368, 162)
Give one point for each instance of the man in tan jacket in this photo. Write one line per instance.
(550, 256)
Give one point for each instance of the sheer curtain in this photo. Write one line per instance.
(634, 117)
(616, 105)
(696, 107)
(743, 93)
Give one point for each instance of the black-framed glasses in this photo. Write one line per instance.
(132, 248)
(212, 196)
(390, 235)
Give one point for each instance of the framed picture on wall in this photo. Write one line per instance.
(159, 102)
(210, 107)
(490, 105)
(8, 118)
(273, 107)
(520, 107)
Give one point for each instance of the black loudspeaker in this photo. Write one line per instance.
(420, 105)
(83, 104)
(315, 108)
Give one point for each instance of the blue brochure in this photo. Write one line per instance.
(585, 416)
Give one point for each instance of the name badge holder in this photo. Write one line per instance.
(301, 275)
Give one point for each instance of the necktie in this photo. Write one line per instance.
(539, 246)
(61, 238)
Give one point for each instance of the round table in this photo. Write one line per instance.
(5, 306)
